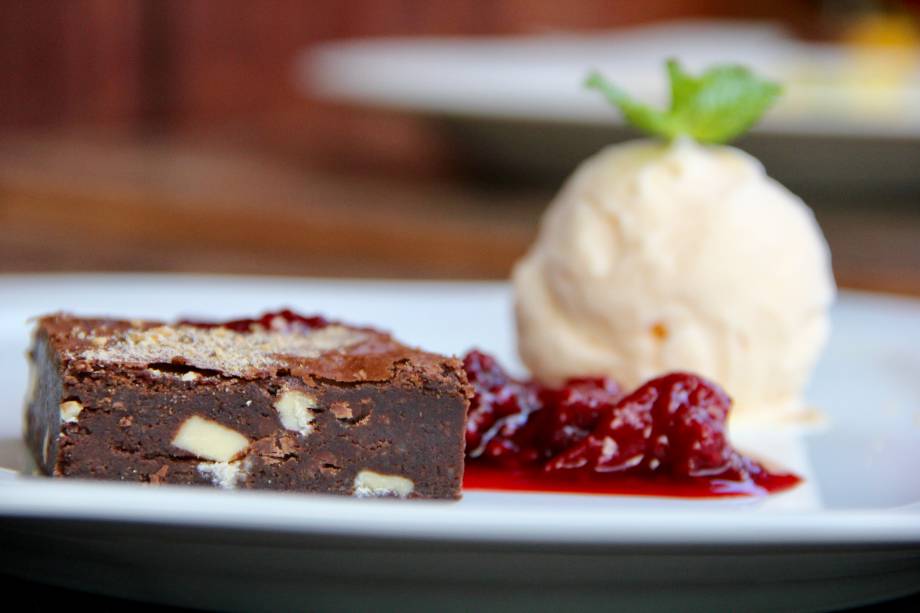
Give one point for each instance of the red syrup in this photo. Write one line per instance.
(667, 438)
(284, 320)
(483, 476)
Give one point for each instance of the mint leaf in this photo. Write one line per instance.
(640, 115)
(713, 108)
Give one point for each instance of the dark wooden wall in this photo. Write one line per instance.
(152, 65)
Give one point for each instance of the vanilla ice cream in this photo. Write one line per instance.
(658, 257)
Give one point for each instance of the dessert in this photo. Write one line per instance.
(657, 261)
(281, 402)
(680, 254)
(668, 437)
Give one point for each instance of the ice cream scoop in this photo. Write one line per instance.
(662, 256)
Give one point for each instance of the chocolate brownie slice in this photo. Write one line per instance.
(283, 402)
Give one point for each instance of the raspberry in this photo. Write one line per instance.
(671, 429)
(516, 423)
(673, 424)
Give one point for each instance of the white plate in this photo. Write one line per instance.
(851, 534)
(514, 109)
(828, 89)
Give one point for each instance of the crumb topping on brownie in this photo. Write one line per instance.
(333, 352)
(219, 349)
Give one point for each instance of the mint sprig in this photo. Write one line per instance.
(717, 106)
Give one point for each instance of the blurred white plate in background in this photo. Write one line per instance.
(829, 89)
(851, 534)
(514, 109)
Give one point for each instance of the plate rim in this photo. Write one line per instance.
(40, 497)
(23, 496)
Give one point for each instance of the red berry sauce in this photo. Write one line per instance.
(667, 438)
(284, 320)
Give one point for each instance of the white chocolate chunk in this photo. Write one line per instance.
(368, 484)
(70, 411)
(191, 376)
(225, 475)
(209, 440)
(294, 411)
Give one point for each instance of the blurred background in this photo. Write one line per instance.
(416, 138)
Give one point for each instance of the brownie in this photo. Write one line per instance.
(283, 402)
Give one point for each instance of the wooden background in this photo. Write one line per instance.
(150, 65)
(166, 135)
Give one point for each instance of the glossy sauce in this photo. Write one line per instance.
(284, 320)
(666, 438)
(482, 476)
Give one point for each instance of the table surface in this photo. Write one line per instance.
(46, 597)
(128, 204)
